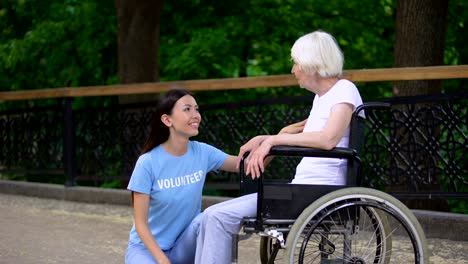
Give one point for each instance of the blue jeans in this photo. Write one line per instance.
(183, 251)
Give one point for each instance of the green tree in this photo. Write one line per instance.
(213, 39)
(57, 44)
(75, 43)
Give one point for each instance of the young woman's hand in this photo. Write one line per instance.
(163, 259)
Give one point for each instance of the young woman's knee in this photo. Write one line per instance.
(137, 254)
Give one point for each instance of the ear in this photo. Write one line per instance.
(166, 119)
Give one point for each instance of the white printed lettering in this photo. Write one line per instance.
(167, 184)
(180, 181)
(160, 183)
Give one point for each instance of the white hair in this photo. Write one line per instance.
(318, 52)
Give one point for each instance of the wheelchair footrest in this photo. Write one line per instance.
(274, 233)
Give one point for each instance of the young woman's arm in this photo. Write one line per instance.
(140, 207)
(230, 164)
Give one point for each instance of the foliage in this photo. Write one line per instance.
(458, 206)
(37, 177)
(111, 184)
(253, 38)
(456, 52)
(74, 43)
(57, 44)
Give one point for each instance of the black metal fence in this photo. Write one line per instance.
(417, 149)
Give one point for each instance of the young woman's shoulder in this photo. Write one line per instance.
(198, 144)
(148, 156)
(144, 158)
(201, 145)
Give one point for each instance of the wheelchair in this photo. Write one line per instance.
(331, 224)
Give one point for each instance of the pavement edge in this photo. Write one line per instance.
(435, 224)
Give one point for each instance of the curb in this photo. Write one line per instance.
(435, 224)
(443, 225)
(80, 193)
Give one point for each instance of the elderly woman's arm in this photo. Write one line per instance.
(327, 138)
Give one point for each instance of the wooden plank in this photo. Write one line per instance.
(410, 73)
(365, 75)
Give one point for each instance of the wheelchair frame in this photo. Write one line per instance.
(290, 213)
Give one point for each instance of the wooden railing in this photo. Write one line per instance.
(69, 140)
(365, 75)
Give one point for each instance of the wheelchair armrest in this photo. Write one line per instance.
(291, 151)
(338, 152)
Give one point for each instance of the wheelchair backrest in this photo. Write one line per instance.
(357, 139)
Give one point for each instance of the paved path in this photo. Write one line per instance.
(39, 231)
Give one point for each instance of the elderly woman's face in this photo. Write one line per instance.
(305, 79)
(298, 73)
(296, 69)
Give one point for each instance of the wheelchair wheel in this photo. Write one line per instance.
(266, 248)
(356, 225)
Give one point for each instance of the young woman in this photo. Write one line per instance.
(318, 63)
(167, 183)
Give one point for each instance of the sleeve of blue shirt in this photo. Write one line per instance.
(216, 157)
(142, 179)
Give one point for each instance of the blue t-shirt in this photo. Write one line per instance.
(175, 185)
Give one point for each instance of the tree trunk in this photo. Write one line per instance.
(138, 51)
(419, 41)
(138, 43)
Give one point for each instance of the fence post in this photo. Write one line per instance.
(69, 162)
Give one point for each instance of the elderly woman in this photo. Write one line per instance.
(318, 64)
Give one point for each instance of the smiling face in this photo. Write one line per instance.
(184, 119)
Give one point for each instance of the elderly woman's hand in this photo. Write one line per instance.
(251, 146)
(256, 160)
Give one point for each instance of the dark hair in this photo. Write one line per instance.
(159, 132)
